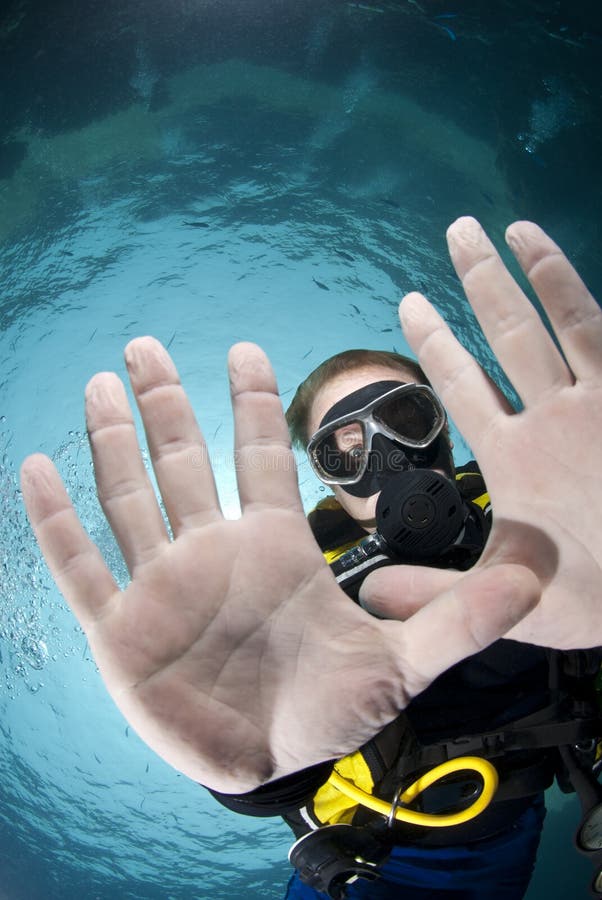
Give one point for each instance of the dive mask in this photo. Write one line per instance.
(376, 432)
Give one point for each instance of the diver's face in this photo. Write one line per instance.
(362, 509)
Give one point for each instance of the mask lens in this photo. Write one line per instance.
(412, 415)
(342, 453)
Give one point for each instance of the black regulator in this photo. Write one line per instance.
(421, 518)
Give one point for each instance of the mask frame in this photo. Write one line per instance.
(371, 427)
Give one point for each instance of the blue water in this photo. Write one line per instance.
(208, 172)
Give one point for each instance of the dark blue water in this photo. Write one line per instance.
(212, 171)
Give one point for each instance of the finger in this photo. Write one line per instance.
(510, 323)
(177, 448)
(124, 488)
(472, 399)
(397, 592)
(266, 470)
(573, 312)
(477, 610)
(74, 561)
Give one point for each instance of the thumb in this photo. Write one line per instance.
(397, 592)
(480, 608)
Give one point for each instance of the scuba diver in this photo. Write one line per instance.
(376, 434)
(397, 746)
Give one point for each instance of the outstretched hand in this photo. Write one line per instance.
(543, 465)
(232, 652)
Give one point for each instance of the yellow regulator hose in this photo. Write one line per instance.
(428, 820)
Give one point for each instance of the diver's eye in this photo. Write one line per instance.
(349, 438)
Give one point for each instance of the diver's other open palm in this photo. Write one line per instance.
(543, 465)
(232, 652)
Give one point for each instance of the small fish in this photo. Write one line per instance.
(365, 7)
(307, 354)
(447, 30)
(171, 340)
(322, 286)
(357, 309)
(197, 224)
(388, 202)
(344, 255)
(85, 649)
(67, 253)
(386, 329)
(567, 40)
(216, 430)
(127, 730)
(147, 767)
(98, 759)
(488, 198)
(446, 16)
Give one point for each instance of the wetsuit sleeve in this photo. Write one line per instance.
(278, 797)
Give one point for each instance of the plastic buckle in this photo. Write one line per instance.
(334, 856)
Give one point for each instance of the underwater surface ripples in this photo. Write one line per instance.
(291, 204)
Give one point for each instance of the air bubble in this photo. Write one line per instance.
(35, 652)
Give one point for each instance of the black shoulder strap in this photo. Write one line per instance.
(332, 527)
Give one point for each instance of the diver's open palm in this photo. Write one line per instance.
(543, 465)
(233, 653)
